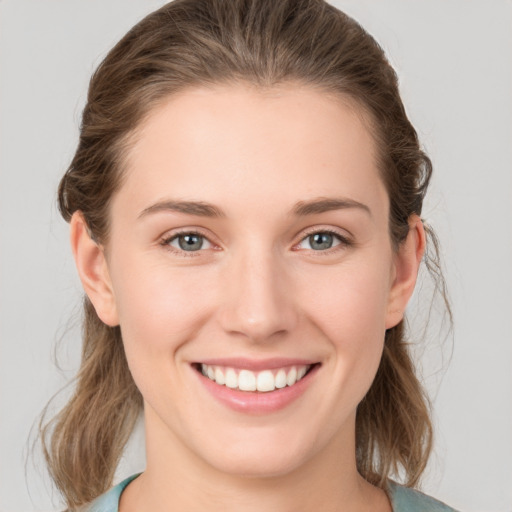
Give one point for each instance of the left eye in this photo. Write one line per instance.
(189, 242)
(320, 241)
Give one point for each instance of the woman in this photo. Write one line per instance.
(245, 206)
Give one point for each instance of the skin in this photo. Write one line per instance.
(257, 289)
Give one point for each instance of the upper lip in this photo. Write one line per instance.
(257, 364)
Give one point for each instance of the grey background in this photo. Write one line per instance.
(454, 61)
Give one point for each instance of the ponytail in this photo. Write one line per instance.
(84, 442)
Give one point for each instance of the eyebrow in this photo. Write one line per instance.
(300, 209)
(327, 204)
(198, 208)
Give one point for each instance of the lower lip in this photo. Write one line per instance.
(254, 402)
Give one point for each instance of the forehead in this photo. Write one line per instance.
(230, 142)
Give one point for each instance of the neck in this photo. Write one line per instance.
(177, 479)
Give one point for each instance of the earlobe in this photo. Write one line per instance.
(407, 262)
(93, 271)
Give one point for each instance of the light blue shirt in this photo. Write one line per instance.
(402, 498)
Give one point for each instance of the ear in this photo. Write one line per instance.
(93, 271)
(406, 265)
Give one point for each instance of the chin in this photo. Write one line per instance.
(258, 465)
(262, 457)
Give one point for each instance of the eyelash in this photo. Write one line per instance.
(345, 242)
(166, 243)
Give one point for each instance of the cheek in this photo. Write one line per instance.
(350, 304)
(349, 309)
(160, 310)
(160, 307)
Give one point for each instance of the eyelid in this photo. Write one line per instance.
(345, 238)
(169, 236)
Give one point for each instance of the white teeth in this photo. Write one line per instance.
(219, 376)
(246, 380)
(281, 379)
(291, 378)
(231, 379)
(265, 381)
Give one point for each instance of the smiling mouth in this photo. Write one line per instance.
(262, 381)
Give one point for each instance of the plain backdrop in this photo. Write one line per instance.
(454, 62)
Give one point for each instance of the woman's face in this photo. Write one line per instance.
(249, 241)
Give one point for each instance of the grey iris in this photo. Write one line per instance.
(320, 241)
(190, 242)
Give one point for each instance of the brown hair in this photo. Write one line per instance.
(264, 43)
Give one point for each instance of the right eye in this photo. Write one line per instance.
(188, 242)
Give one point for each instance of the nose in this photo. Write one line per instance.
(258, 297)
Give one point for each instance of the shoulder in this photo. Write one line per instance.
(109, 502)
(405, 499)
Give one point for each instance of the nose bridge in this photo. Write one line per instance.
(258, 303)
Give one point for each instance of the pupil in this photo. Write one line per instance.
(190, 242)
(320, 241)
